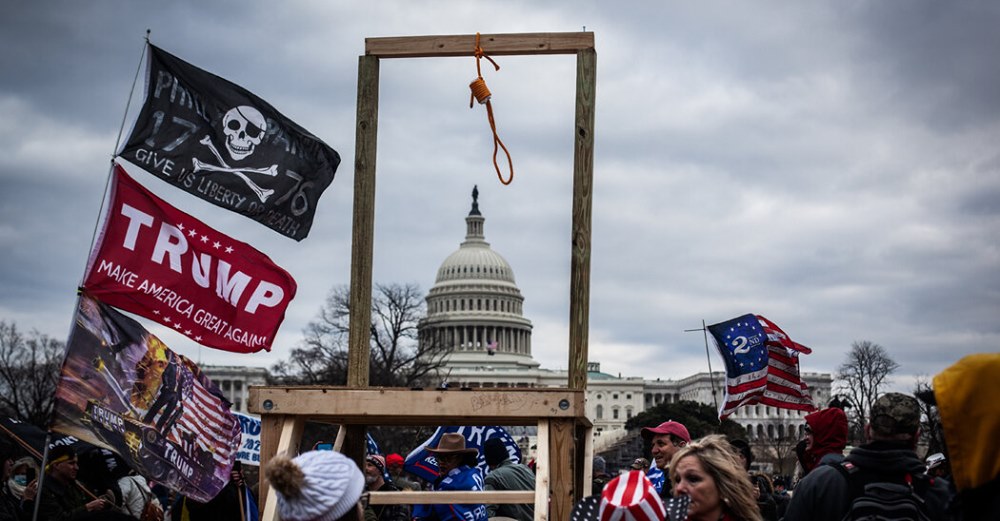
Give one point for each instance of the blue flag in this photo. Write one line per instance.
(762, 365)
(742, 343)
(656, 477)
(421, 463)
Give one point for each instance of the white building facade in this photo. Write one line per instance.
(235, 382)
(475, 308)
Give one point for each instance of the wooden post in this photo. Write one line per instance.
(583, 179)
(270, 431)
(359, 336)
(288, 443)
(562, 469)
(543, 463)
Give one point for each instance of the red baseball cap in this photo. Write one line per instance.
(667, 427)
(393, 459)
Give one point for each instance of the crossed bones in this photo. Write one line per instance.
(262, 193)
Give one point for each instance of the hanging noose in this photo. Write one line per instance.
(481, 93)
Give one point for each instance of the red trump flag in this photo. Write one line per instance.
(161, 263)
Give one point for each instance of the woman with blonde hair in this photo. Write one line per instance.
(706, 470)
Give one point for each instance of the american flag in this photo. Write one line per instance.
(762, 365)
(206, 422)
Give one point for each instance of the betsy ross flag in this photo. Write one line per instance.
(218, 141)
(762, 365)
(122, 389)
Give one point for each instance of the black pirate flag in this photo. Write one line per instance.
(220, 142)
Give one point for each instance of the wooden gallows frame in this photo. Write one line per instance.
(564, 432)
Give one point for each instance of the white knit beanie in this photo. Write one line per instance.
(319, 485)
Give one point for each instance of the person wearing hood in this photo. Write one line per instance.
(968, 400)
(825, 439)
(12, 488)
(893, 431)
(507, 474)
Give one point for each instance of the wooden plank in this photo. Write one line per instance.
(563, 469)
(366, 135)
(395, 406)
(288, 444)
(583, 180)
(338, 444)
(270, 432)
(355, 445)
(446, 497)
(543, 461)
(585, 485)
(492, 44)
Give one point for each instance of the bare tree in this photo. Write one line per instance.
(931, 430)
(778, 450)
(861, 377)
(398, 359)
(29, 372)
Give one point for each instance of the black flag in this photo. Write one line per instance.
(220, 142)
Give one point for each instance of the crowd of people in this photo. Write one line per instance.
(709, 479)
(98, 485)
(703, 479)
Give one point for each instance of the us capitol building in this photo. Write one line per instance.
(476, 308)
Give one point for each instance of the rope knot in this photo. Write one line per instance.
(481, 93)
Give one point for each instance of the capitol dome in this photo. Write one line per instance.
(475, 260)
(474, 308)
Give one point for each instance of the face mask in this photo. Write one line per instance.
(21, 479)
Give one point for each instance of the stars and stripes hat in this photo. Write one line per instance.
(628, 497)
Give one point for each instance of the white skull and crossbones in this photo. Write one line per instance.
(244, 127)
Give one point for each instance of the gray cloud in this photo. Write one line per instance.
(831, 166)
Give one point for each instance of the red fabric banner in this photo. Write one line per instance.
(161, 263)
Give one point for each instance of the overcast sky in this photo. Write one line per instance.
(833, 166)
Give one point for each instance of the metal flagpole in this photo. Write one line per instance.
(121, 128)
(711, 375)
(41, 476)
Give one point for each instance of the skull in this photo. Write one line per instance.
(244, 127)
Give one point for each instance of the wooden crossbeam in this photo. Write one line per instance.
(393, 406)
(492, 44)
(445, 497)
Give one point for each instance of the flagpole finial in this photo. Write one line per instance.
(148, 31)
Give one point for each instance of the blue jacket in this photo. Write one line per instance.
(461, 478)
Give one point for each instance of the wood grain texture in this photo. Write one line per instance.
(288, 443)
(395, 406)
(543, 462)
(561, 482)
(364, 222)
(583, 180)
(492, 44)
(448, 496)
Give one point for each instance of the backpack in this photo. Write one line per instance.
(874, 500)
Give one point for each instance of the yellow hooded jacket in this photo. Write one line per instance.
(968, 399)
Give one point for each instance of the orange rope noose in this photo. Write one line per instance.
(482, 94)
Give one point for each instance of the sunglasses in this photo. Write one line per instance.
(807, 430)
